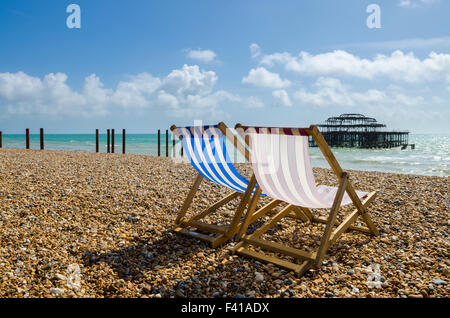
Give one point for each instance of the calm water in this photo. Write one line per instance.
(431, 156)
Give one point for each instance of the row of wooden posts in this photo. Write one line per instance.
(110, 134)
(27, 139)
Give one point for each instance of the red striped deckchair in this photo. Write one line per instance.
(282, 166)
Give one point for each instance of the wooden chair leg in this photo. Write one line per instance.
(307, 212)
(370, 224)
(251, 209)
(222, 233)
(362, 210)
(263, 229)
(350, 219)
(216, 205)
(264, 210)
(241, 208)
(189, 198)
(331, 219)
(301, 215)
(254, 240)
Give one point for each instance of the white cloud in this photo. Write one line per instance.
(205, 56)
(21, 93)
(398, 66)
(263, 78)
(405, 3)
(189, 80)
(136, 92)
(282, 97)
(167, 100)
(188, 91)
(416, 3)
(412, 43)
(94, 93)
(331, 92)
(18, 85)
(253, 102)
(255, 50)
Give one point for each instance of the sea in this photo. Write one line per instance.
(431, 155)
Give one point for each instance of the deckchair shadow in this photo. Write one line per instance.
(206, 148)
(282, 166)
(144, 255)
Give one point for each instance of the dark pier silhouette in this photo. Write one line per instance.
(359, 131)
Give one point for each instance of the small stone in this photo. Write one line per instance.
(292, 292)
(56, 291)
(259, 277)
(275, 274)
(285, 294)
(355, 290)
(251, 294)
(216, 294)
(60, 277)
(179, 293)
(439, 281)
(329, 294)
(278, 282)
(146, 289)
(351, 272)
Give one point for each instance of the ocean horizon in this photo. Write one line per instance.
(431, 155)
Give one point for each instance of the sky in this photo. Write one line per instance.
(145, 65)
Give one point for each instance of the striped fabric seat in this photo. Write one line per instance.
(206, 149)
(282, 166)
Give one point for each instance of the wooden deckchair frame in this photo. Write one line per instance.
(220, 234)
(305, 260)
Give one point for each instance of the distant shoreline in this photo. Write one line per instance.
(185, 160)
(431, 155)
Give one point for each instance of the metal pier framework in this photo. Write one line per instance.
(359, 131)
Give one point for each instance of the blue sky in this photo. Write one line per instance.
(144, 65)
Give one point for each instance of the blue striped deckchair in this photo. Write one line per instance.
(206, 148)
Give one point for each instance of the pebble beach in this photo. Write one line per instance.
(75, 224)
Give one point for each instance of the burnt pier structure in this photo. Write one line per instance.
(359, 131)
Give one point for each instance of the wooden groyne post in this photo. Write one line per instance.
(112, 140)
(173, 146)
(41, 133)
(123, 141)
(159, 143)
(1, 142)
(96, 141)
(107, 141)
(27, 138)
(167, 143)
